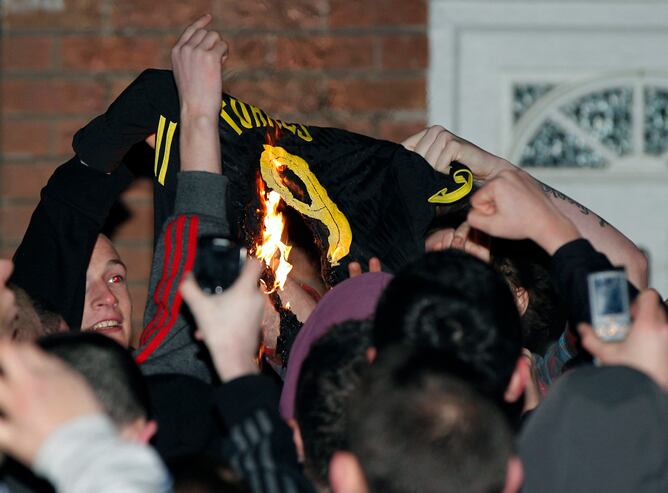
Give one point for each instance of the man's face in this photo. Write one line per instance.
(107, 306)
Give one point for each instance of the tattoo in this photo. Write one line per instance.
(548, 190)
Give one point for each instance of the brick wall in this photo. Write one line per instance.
(355, 64)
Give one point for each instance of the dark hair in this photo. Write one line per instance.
(329, 374)
(452, 215)
(459, 305)
(525, 265)
(108, 368)
(414, 427)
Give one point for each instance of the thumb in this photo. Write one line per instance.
(411, 142)
(250, 274)
(191, 292)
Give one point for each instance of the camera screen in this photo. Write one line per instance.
(610, 295)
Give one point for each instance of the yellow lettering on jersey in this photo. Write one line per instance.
(322, 208)
(228, 119)
(244, 116)
(168, 147)
(258, 115)
(158, 143)
(303, 133)
(463, 177)
(256, 118)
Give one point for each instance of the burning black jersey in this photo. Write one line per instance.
(360, 197)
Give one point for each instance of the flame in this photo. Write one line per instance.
(272, 250)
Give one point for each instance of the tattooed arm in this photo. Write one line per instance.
(440, 147)
(604, 237)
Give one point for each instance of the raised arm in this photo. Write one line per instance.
(166, 343)
(52, 422)
(440, 147)
(197, 59)
(262, 449)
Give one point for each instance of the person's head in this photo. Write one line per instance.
(413, 427)
(525, 267)
(599, 429)
(523, 264)
(113, 375)
(454, 303)
(329, 375)
(353, 299)
(107, 304)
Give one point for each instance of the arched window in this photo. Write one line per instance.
(614, 123)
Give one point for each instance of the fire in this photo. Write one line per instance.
(272, 250)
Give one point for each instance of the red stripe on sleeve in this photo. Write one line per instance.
(191, 251)
(161, 294)
(161, 283)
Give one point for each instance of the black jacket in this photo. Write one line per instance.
(52, 259)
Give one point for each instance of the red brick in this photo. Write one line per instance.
(53, 96)
(119, 85)
(140, 224)
(325, 52)
(371, 13)
(271, 14)
(110, 52)
(248, 52)
(277, 96)
(164, 59)
(354, 123)
(26, 52)
(24, 180)
(397, 131)
(137, 259)
(147, 14)
(405, 51)
(25, 137)
(373, 95)
(63, 132)
(76, 14)
(14, 220)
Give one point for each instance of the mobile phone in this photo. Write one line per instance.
(609, 304)
(218, 263)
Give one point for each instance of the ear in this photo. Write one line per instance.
(514, 475)
(139, 431)
(518, 381)
(345, 474)
(297, 438)
(371, 354)
(521, 300)
(149, 431)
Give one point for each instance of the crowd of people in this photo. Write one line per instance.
(472, 368)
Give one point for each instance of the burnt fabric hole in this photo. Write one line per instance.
(295, 185)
